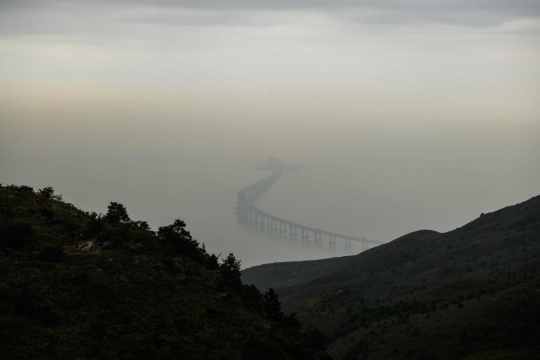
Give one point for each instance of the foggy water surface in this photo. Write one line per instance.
(346, 190)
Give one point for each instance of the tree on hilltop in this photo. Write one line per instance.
(179, 240)
(48, 193)
(117, 213)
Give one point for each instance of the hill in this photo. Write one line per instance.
(470, 292)
(78, 285)
(292, 273)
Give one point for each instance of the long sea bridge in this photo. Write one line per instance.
(263, 221)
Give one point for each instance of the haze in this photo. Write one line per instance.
(409, 115)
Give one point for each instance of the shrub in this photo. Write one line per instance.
(53, 253)
(18, 234)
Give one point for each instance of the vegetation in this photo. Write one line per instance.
(482, 317)
(473, 292)
(79, 285)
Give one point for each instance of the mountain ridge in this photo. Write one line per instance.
(421, 252)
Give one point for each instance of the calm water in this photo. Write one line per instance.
(342, 192)
(201, 190)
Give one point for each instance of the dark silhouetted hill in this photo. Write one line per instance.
(471, 292)
(78, 285)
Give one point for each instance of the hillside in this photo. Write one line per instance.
(471, 292)
(291, 273)
(485, 317)
(505, 240)
(78, 285)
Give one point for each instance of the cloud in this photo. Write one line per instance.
(476, 13)
(514, 6)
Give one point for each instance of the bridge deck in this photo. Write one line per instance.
(258, 187)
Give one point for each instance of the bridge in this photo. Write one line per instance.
(251, 216)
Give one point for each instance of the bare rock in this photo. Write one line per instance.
(89, 246)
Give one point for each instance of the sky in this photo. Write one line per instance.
(417, 85)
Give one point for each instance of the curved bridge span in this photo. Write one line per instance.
(251, 216)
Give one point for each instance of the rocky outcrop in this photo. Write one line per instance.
(89, 246)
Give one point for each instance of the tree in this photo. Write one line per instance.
(272, 306)
(94, 225)
(143, 225)
(177, 239)
(232, 264)
(230, 271)
(253, 298)
(48, 193)
(212, 262)
(117, 213)
(175, 231)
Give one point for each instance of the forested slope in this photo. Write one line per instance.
(78, 285)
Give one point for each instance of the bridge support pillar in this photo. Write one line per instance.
(332, 241)
(348, 244)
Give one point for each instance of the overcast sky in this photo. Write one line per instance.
(75, 75)
(410, 114)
